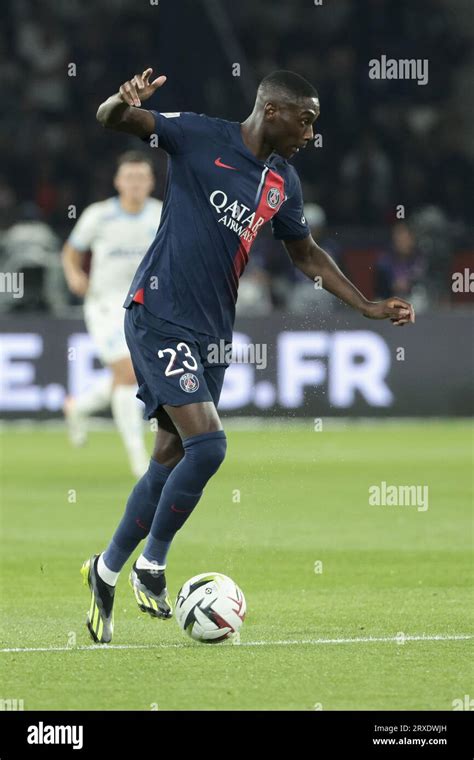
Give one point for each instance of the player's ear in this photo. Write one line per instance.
(270, 110)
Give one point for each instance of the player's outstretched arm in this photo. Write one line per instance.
(122, 111)
(314, 262)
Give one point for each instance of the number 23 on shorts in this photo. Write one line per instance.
(187, 359)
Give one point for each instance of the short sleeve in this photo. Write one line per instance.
(178, 130)
(290, 223)
(85, 229)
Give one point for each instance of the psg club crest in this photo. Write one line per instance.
(189, 382)
(273, 197)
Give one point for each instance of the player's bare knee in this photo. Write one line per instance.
(195, 419)
(168, 460)
(168, 450)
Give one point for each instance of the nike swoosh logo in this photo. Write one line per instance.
(180, 510)
(218, 162)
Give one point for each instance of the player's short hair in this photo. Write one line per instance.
(134, 157)
(286, 86)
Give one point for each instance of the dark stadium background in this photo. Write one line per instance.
(384, 143)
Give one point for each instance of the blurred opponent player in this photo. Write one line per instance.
(119, 232)
(226, 180)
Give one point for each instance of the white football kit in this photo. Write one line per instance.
(118, 242)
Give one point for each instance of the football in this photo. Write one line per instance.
(210, 608)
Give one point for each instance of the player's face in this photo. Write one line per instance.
(290, 127)
(134, 181)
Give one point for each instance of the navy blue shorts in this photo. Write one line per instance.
(170, 362)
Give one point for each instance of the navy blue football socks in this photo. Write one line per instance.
(138, 517)
(203, 455)
(163, 499)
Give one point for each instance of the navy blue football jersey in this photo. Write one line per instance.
(218, 197)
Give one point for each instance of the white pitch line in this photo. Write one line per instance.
(288, 642)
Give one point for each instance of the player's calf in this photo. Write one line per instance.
(204, 454)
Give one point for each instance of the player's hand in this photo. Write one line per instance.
(139, 89)
(399, 312)
(78, 283)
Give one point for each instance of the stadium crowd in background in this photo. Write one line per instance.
(384, 142)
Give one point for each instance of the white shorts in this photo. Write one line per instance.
(104, 322)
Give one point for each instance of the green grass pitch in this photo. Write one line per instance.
(288, 517)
